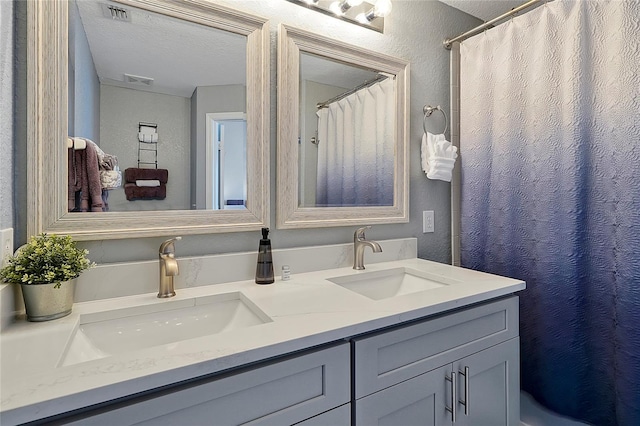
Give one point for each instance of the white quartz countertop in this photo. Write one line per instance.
(306, 311)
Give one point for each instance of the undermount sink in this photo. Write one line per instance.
(378, 285)
(131, 329)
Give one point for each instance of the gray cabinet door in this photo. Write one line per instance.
(419, 401)
(493, 386)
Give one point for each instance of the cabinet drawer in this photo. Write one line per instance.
(340, 416)
(281, 393)
(390, 357)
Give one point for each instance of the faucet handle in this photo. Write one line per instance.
(167, 247)
(359, 234)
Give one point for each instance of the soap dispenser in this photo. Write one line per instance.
(264, 269)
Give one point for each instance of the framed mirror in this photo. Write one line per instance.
(174, 94)
(342, 134)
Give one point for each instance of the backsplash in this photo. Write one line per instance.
(129, 278)
(126, 279)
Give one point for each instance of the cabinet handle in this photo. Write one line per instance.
(452, 409)
(466, 390)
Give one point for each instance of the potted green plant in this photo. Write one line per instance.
(46, 268)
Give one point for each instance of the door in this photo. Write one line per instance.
(491, 391)
(226, 163)
(419, 401)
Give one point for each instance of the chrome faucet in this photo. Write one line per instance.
(168, 267)
(359, 243)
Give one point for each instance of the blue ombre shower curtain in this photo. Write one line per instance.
(550, 152)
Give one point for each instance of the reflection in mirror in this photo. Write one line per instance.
(153, 87)
(342, 137)
(130, 67)
(347, 125)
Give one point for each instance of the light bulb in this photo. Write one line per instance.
(310, 1)
(382, 8)
(362, 18)
(341, 7)
(336, 8)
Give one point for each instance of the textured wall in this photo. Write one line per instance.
(6, 114)
(84, 86)
(120, 114)
(414, 31)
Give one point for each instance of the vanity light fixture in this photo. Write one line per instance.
(365, 13)
(341, 7)
(381, 9)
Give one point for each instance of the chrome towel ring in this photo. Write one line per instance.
(428, 110)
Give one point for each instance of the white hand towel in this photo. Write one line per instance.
(148, 182)
(147, 137)
(438, 157)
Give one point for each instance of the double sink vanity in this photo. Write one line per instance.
(405, 341)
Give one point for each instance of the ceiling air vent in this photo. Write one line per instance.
(139, 80)
(115, 13)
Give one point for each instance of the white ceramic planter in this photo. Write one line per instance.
(44, 302)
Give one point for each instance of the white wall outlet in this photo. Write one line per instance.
(6, 245)
(427, 221)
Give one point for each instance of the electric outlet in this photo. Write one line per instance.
(6, 245)
(427, 221)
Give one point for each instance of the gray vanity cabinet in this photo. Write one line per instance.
(413, 374)
(404, 376)
(284, 392)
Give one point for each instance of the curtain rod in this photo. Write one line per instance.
(448, 42)
(325, 104)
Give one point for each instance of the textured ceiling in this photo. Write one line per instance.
(178, 55)
(485, 10)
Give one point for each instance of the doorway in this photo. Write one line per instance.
(226, 172)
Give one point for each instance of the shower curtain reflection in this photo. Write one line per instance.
(356, 148)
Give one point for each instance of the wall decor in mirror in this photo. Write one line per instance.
(342, 134)
(170, 97)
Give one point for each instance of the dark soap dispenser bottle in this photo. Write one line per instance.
(264, 269)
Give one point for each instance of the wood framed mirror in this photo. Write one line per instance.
(342, 134)
(49, 118)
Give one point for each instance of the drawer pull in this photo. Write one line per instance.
(452, 409)
(466, 390)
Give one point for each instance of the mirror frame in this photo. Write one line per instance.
(47, 110)
(289, 214)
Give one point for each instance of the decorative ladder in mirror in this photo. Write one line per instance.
(147, 142)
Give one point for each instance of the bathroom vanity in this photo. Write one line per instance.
(335, 346)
